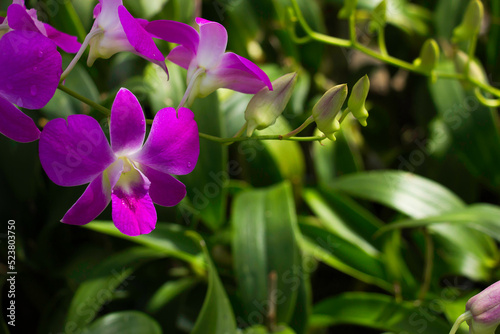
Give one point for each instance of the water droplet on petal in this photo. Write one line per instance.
(189, 164)
(40, 54)
(33, 90)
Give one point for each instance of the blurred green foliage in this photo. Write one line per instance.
(391, 228)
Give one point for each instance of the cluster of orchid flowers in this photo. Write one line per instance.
(130, 172)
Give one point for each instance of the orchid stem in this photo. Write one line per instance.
(85, 100)
(383, 56)
(295, 132)
(464, 317)
(344, 115)
(190, 88)
(429, 260)
(241, 131)
(80, 52)
(264, 137)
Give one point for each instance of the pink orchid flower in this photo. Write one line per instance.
(20, 18)
(116, 30)
(30, 68)
(203, 55)
(130, 175)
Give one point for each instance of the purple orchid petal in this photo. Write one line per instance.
(133, 211)
(240, 74)
(181, 56)
(16, 125)
(173, 144)
(138, 37)
(66, 42)
(165, 190)
(128, 124)
(75, 152)
(97, 10)
(30, 67)
(19, 19)
(95, 198)
(213, 42)
(142, 22)
(175, 32)
(2, 19)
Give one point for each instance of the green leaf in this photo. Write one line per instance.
(408, 193)
(287, 156)
(303, 307)
(344, 255)
(126, 322)
(207, 184)
(343, 156)
(376, 311)
(168, 239)
(169, 291)
(334, 224)
(418, 198)
(482, 217)
(104, 279)
(216, 315)
(476, 138)
(264, 223)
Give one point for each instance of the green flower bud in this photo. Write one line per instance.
(471, 23)
(429, 55)
(356, 103)
(475, 69)
(326, 109)
(266, 106)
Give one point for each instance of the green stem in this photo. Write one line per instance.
(241, 131)
(354, 44)
(464, 317)
(80, 52)
(314, 35)
(344, 115)
(470, 54)
(381, 42)
(85, 100)
(429, 262)
(295, 132)
(190, 87)
(264, 137)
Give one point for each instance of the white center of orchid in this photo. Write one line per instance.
(129, 175)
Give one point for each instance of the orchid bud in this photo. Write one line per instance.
(429, 55)
(266, 106)
(326, 109)
(471, 22)
(482, 311)
(356, 103)
(475, 69)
